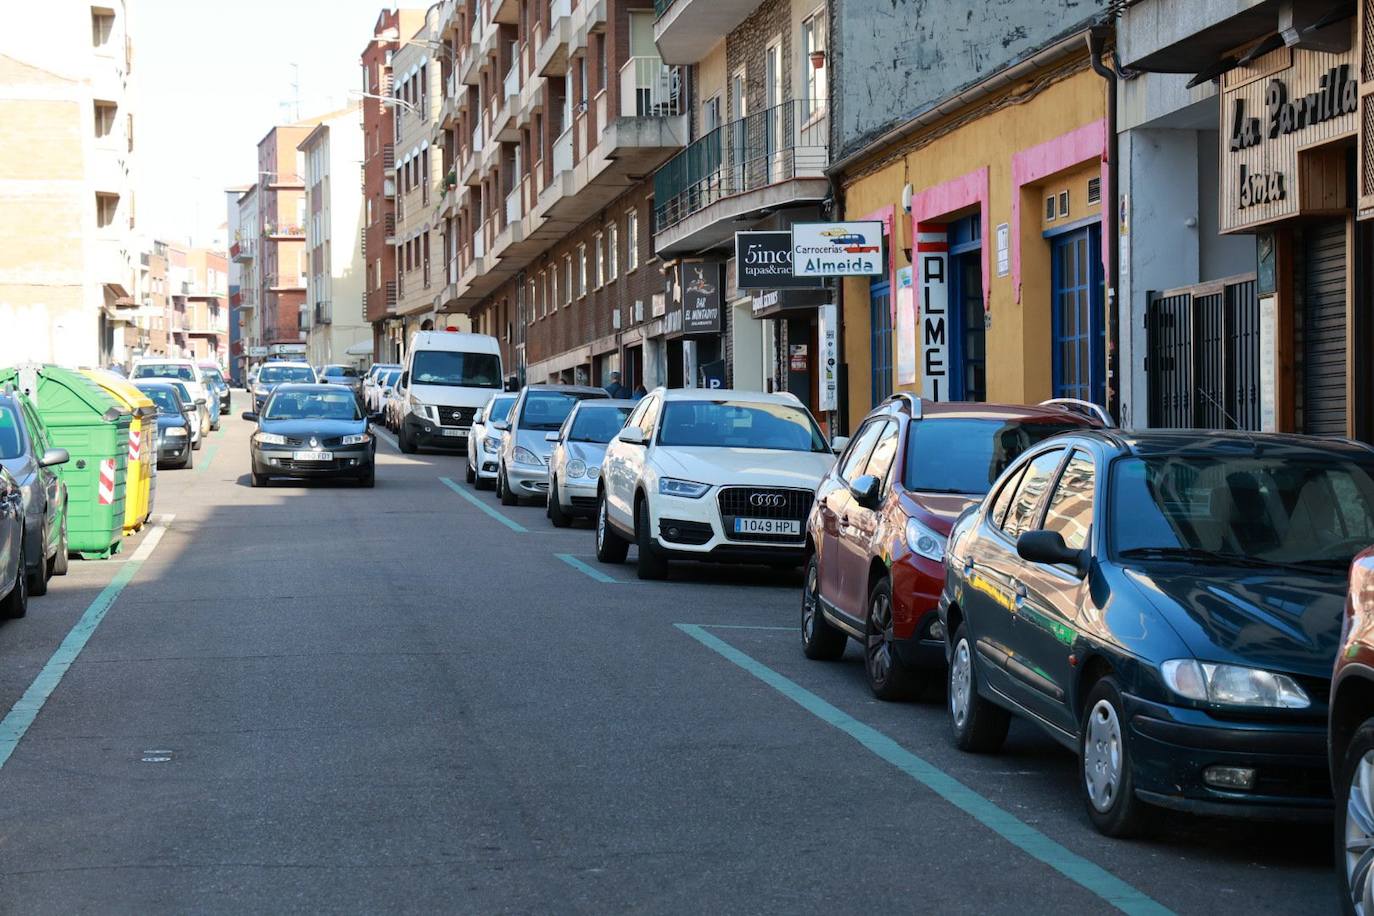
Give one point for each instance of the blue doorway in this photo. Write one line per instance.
(1078, 322)
(967, 324)
(880, 341)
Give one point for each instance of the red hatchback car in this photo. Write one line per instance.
(877, 529)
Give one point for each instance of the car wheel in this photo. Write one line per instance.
(503, 490)
(610, 547)
(888, 678)
(61, 561)
(38, 578)
(555, 511)
(407, 445)
(480, 483)
(1355, 823)
(1105, 757)
(369, 480)
(16, 603)
(821, 640)
(649, 563)
(195, 446)
(190, 461)
(979, 724)
(470, 473)
(259, 480)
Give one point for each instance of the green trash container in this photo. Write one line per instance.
(94, 429)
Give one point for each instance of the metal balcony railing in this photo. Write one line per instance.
(390, 290)
(389, 224)
(649, 88)
(388, 157)
(777, 144)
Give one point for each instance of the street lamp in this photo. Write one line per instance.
(386, 100)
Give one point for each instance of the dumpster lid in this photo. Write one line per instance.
(123, 390)
(82, 387)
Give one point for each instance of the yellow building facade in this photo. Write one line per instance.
(996, 252)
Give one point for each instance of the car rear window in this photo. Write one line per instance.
(165, 370)
(968, 454)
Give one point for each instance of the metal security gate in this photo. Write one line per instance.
(1203, 356)
(1323, 334)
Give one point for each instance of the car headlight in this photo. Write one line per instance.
(491, 444)
(174, 431)
(593, 472)
(270, 439)
(423, 411)
(577, 468)
(924, 542)
(525, 456)
(356, 439)
(689, 489)
(261, 392)
(1232, 685)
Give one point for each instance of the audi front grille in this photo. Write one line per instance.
(765, 502)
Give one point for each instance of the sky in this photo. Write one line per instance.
(213, 78)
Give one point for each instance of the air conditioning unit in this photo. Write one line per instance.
(615, 318)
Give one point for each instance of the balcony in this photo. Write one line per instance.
(563, 152)
(588, 17)
(650, 89)
(283, 232)
(389, 187)
(242, 250)
(389, 157)
(389, 228)
(770, 159)
(686, 30)
(551, 58)
(284, 282)
(324, 313)
(284, 182)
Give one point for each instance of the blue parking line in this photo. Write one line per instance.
(512, 525)
(1086, 874)
(588, 570)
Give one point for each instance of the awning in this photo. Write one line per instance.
(360, 349)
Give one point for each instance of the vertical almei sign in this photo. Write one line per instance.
(932, 322)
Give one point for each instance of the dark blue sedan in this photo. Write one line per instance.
(1167, 604)
(313, 430)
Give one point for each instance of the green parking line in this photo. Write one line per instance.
(1086, 874)
(205, 459)
(589, 571)
(512, 525)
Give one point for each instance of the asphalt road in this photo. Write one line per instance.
(317, 698)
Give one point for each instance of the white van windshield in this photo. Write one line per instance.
(456, 370)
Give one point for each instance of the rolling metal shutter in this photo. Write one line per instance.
(1323, 396)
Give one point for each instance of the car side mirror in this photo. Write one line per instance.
(631, 435)
(54, 456)
(200, 402)
(250, 415)
(1048, 547)
(511, 385)
(405, 379)
(551, 436)
(866, 489)
(501, 426)
(838, 443)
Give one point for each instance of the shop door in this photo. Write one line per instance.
(1079, 343)
(801, 350)
(967, 326)
(880, 341)
(1324, 331)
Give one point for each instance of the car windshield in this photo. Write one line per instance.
(547, 410)
(389, 377)
(598, 424)
(499, 410)
(740, 424)
(165, 370)
(1253, 508)
(272, 375)
(11, 443)
(164, 398)
(448, 367)
(213, 375)
(312, 405)
(967, 454)
(340, 372)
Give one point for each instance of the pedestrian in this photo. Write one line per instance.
(639, 393)
(615, 389)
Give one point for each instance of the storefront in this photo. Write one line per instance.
(996, 283)
(776, 331)
(696, 324)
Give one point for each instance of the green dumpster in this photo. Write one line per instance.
(94, 429)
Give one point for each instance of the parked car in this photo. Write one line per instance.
(14, 584)
(179, 370)
(275, 373)
(447, 376)
(485, 441)
(876, 533)
(716, 475)
(213, 377)
(1167, 603)
(1350, 738)
(174, 425)
(28, 455)
(341, 374)
(376, 393)
(522, 464)
(195, 412)
(575, 462)
(394, 407)
(311, 430)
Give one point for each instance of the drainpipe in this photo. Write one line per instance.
(1097, 39)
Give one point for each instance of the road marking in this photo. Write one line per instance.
(588, 570)
(27, 707)
(736, 626)
(206, 458)
(512, 525)
(387, 438)
(1086, 874)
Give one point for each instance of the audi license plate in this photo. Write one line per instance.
(767, 526)
(313, 456)
(454, 432)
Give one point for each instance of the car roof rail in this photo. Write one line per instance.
(913, 402)
(1082, 408)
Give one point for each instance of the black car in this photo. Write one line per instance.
(27, 453)
(14, 591)
(312, 431)
(173, 425)
(1168, 605)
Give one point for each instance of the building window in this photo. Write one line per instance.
(104, 118)
(106, 205)
(102, 27)
(813, 42)
(612, 252)
(567, 279)
(631, 240)
(530, 300)
(599, 262)
(581, 269)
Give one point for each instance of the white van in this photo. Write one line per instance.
(447, 376)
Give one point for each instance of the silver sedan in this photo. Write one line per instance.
(575, 464)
